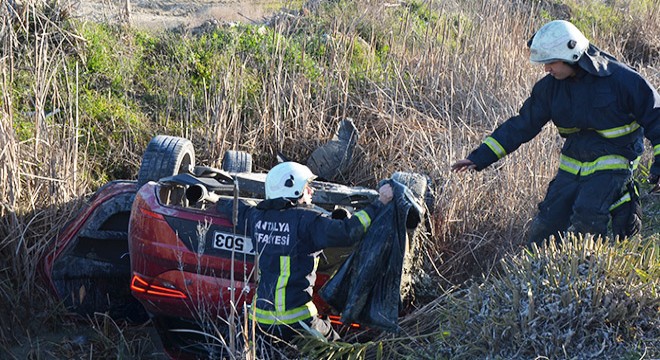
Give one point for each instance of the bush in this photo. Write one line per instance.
(579, 298)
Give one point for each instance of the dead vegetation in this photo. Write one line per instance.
(424, 83)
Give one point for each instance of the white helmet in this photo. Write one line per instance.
(287, 180)
(558, 40)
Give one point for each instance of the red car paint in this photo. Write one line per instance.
(206, 280)
(157, 253)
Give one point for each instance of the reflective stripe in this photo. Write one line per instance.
(282, 281)
(608, 162)
(624, 199)
(656, 150)
(495, 147)
(606, 133)
(619, 131)
(567, 131)
(281, 315)
(364, 219)
(569, 165)
(285, 317)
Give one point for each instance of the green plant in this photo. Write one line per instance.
(110, 58)
(590, 14)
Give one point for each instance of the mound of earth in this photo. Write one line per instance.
(164, 14)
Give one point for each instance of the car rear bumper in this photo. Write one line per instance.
(168, 277)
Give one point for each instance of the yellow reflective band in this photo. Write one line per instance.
(495, 147)
(285, 317)
(608, 162)
(656, 150)
(624, 199)
(567, 131)
(569, 165)
(619, 131)
(282, 281)
(606, 133)
(364, 219)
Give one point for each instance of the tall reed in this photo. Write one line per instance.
(423, 81)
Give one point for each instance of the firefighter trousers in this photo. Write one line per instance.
(579, 202)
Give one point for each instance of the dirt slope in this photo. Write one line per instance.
(162, 14)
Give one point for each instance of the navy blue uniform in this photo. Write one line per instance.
(289, 239)
(603, 113)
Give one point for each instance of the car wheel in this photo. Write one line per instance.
(237, 162)
(165, 156)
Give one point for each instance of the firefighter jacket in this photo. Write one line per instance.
(289, 239)
(603, 113)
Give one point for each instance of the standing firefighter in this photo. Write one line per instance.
(602, 108)
(289, 234)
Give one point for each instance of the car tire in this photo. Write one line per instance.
(237, 162)
(165, 156)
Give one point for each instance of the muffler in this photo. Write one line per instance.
(197, 193)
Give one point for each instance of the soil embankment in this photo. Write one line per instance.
(163, 14)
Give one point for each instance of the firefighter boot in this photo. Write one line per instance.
(539, 232)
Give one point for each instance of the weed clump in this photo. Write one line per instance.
(578, 298)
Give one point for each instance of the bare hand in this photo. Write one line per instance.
(463, 165)
(385, 194)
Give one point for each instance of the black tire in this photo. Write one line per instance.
(237, 162)
(165, 156)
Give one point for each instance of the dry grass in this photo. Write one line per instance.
(580, 298)
(587, 299)
(440, 88)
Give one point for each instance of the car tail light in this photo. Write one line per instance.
(335, 319)
(142, 285)
(151, 214)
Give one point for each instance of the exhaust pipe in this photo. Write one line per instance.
(197, 193)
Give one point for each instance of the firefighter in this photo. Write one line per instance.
(289, 234)
(602, 108)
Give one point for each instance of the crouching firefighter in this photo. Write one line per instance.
(602, 108)
(289, 234)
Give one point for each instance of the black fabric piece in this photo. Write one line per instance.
(332, 160)
(366, 288)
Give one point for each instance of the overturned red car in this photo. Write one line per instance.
(157, 248)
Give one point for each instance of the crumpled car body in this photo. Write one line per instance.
(88, 265)
(157, 248)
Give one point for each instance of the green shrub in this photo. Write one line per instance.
(110, 58)
(113, 129)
